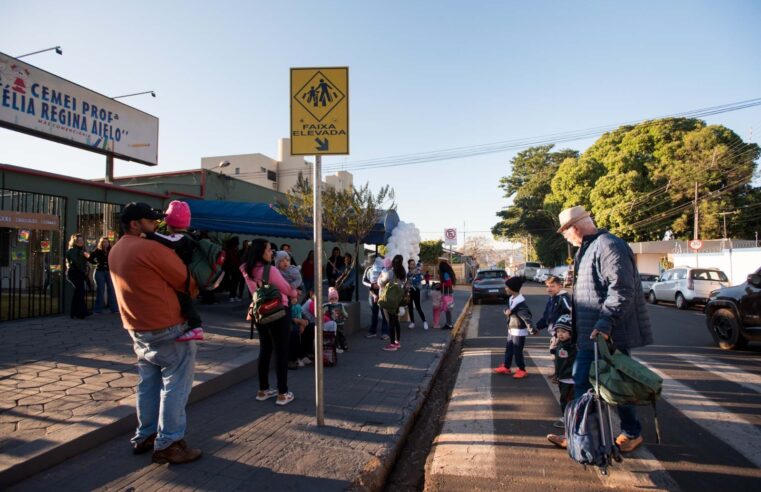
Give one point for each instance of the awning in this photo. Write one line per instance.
(261, 219)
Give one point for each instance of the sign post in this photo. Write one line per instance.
(450, 238)
(319, 126)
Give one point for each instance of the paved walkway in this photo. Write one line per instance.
(68, 386)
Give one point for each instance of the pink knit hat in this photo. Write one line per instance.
(332, 294)
(178, 215)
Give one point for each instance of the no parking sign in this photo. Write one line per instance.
(450, 236)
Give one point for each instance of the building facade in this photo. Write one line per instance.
(279, 174)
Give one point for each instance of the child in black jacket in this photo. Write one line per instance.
(519, 325)
(565, 355)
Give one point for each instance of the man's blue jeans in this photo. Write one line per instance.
(166, 369)
(374, 320)
(585, 358)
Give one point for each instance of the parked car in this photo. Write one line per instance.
(490, 284)
(685, 285)
(733, 314)
(648, 279)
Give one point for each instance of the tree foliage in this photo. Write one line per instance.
(431, 251)
(349, 215)
(528, 185)
(638, 181)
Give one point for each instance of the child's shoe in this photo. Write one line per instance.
(425, 325)
(520, 374)
(192, 334)
(391, 347)
(411, 326)
(502, 369)
(339, 350)
(262, 395)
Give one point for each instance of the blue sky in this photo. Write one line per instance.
(423, 76)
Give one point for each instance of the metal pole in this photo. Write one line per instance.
(109, 169)
(317, 213)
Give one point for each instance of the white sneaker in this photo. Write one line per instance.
(299, 363)
(284, 399)
(411, 326)
(339, 350)
(306, 361)
(425, 325)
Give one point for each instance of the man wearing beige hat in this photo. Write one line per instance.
(607, 301)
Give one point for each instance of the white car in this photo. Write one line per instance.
(685, 285)
(648, 279)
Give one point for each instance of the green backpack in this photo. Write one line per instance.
(266, 303)
(625, 381)
(391, 296)
(206, 263)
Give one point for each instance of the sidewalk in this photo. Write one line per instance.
(69, 391)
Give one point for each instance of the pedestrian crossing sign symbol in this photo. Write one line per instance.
(319, 111)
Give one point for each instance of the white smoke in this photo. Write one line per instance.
(405, 241)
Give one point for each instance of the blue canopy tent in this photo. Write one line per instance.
(262, 219)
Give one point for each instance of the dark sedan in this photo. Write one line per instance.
(490, 285)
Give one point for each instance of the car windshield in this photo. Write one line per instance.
(491, 274)
(716, 275)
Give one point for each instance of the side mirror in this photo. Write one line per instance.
(754, 279)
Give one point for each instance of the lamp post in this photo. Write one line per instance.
(109, 156)
(152, 93)
(57, 49)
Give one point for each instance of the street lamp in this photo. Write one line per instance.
(152, 93)
(57, 49)
(222, 165)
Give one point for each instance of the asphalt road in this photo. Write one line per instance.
(494, 433)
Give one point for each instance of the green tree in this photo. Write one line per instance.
(431, 251)
(639, 181)
(527, 187)
(349, 215)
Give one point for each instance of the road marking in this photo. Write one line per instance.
(466, 444)
(725, 371)
(640, 469)
(735, 431)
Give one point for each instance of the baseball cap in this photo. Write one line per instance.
(139, 210)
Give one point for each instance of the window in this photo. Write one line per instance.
(680, 274)
(272, 175)
(263, 169)
(237, 171)
(715, 275)
(491, 274)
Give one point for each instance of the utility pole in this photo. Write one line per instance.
(724, 216)
(695, 227)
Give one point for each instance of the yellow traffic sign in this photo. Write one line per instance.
(568, 261)
(320, 111)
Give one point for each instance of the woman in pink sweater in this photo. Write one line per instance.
(273, 336)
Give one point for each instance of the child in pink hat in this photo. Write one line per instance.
(178, 220)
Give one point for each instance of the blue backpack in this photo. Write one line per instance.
(589, 433)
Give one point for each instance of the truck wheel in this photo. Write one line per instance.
(651, 298)
(726, 330)
(681, 302)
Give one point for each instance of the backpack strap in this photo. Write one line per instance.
(266, 274)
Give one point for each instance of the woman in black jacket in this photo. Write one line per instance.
(103, 282)
(76, 273)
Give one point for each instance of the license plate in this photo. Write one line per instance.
(493, 291)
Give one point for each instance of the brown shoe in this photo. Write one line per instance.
(177, 453)
(144, 446)
(558, 441)
(627, 444)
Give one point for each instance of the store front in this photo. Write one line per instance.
(31, 254)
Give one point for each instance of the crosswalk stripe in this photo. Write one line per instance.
(731, 428)
(465, 446)
(743, 378)
(640, 469)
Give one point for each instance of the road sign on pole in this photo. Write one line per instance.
(450, 236)
(320, 111)
(696, 244)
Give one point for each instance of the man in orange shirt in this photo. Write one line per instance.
(146, 276)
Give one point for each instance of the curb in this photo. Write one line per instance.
(376, 470)
(208, 384)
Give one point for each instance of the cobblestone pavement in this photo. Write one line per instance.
(61, 378)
